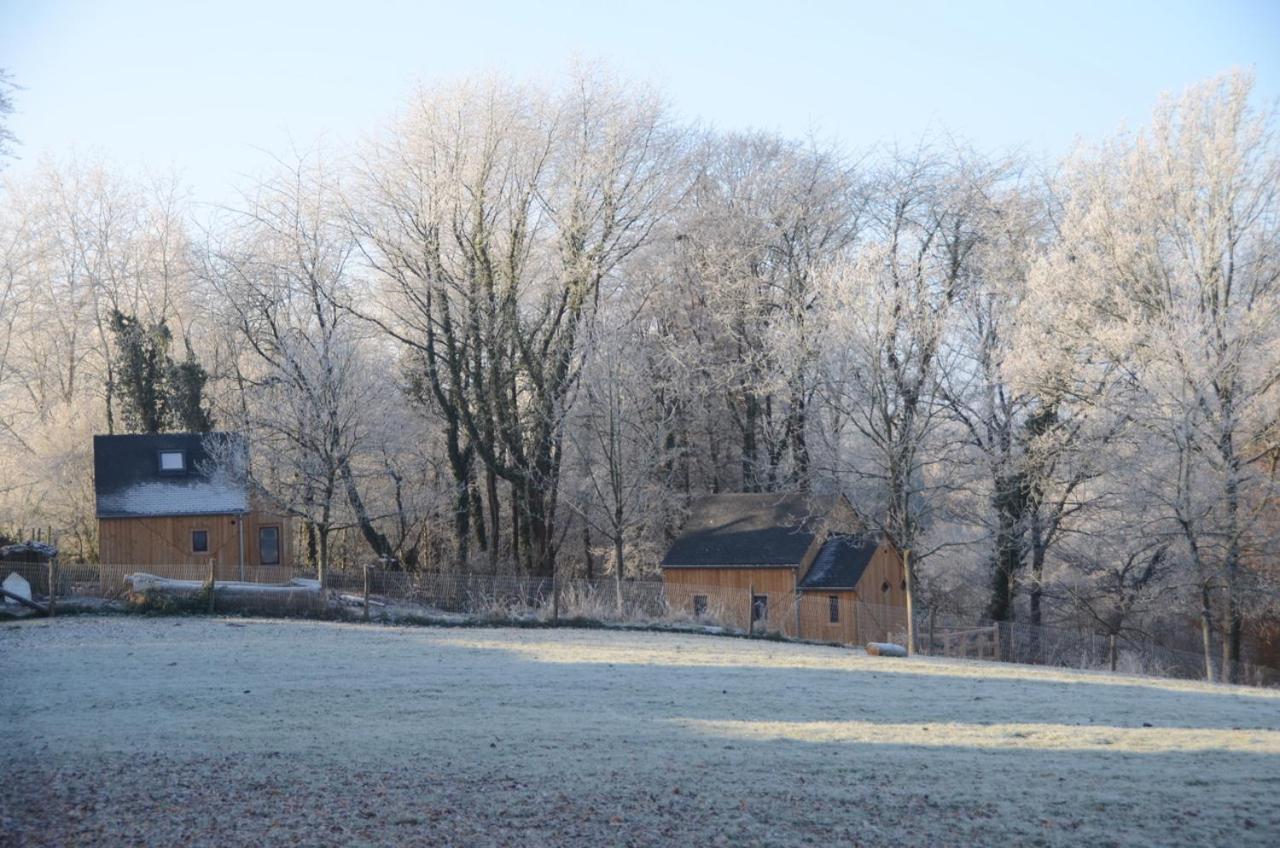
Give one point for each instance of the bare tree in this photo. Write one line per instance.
(282, 271)
(493, 214)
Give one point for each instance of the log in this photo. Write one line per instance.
(233, 595)
(26, 602)
(885, 649)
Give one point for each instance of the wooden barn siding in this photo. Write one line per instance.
(815, 616)
(863, 623)
(166, 540)
(885, 567)
(729, 592)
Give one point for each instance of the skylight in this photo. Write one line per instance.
(172, 461)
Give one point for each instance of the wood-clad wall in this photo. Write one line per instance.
(729, 591)
(815, 616)
(862, 611)
(885, 567)
(166, 540)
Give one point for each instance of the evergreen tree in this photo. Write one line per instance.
(156, 393)
(141, 366)
(187, 410)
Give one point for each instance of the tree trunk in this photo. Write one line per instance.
(618, 566)
(375, 538)
(495, 518)
(749, 450)
(1206, 631)
(322, 563)
(588, 559)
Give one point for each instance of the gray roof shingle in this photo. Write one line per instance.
(771, 529)
(128, 482)
(840, 561)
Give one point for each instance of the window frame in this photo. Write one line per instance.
(182, 461)
(279, 544)
(196, 550)
(833, 609)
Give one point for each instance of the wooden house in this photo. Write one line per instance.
(797, 564)
(163, 499)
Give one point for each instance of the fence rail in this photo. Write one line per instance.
(810, 617)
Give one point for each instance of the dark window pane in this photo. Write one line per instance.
(200, 541)
(699, 605)
(833, 605)
(269, 545)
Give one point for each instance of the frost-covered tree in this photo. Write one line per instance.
(282, 270)
(492, 214)
(1167, 271)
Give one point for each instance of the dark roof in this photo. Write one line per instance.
(840, 561)
(128, 482)
(751, 529)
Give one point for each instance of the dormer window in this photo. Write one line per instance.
(173, 462)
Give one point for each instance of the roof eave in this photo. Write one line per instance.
(729, 565)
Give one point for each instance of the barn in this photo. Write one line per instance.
(163, 500)
(802, 565)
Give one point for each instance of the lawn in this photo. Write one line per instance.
(195, 731)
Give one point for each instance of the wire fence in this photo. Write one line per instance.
(840, 618)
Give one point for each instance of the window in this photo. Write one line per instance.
(173, 461)
(833, 608)
(269, 545)
(759, 608)
(200, 541)
(884, 587)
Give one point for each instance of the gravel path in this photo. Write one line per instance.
(218, 732)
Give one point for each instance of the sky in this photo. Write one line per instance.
(212, 88)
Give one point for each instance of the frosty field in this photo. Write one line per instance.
(213, 732)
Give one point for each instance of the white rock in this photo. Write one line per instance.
(18, 585)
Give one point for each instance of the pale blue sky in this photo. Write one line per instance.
(203, 87)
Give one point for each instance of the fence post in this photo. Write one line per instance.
(213, 580)
(53, 585)
(367, 568)
(911, 621)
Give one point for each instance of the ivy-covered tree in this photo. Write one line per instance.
(140, 372)
(155, 392)
(187, 410)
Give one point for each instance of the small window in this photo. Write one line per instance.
(699, 605)
(759, 608)
(172, 461)
(269, 545)
(884, 587)
(833, 608)
(200, 541)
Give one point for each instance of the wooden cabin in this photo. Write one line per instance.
(167, 499)
(801, 565)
